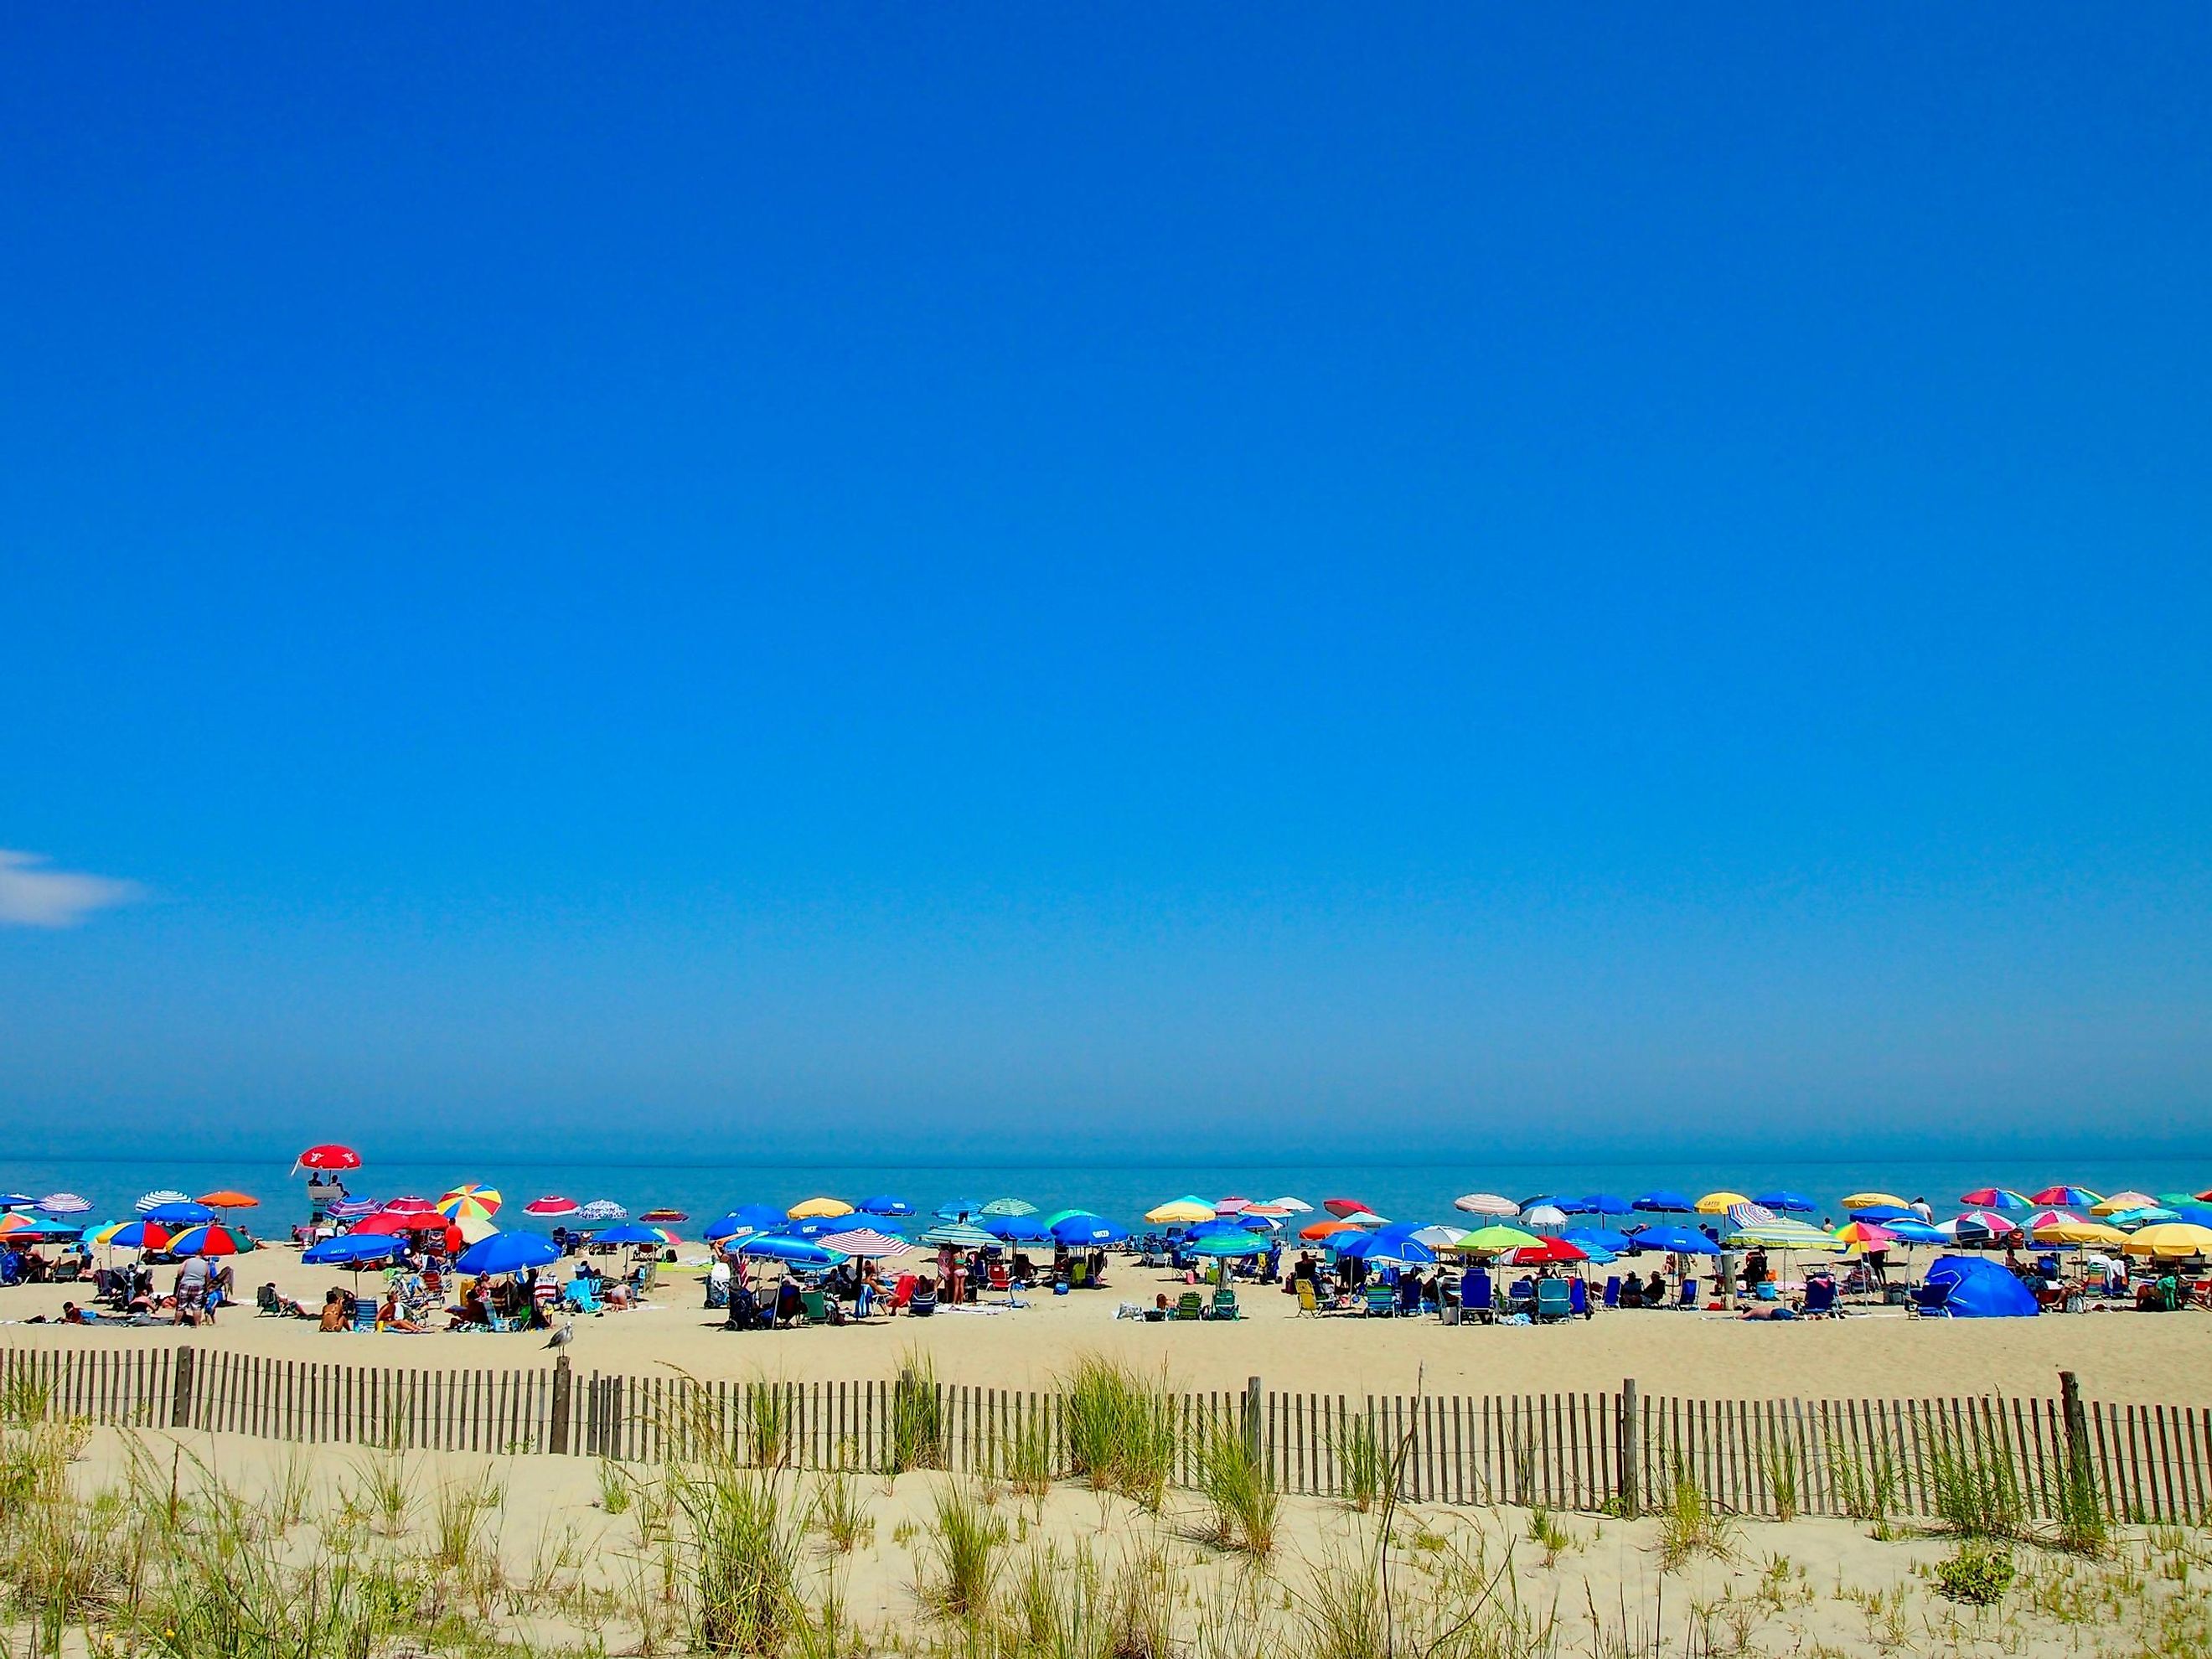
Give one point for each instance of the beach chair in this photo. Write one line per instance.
(68, 1273)
(1409, 1296)
(364, 1313)
(266, 1301)
(1225, 1304)
(901, 1294)
(1932, 1301)
(582, 1295)
(1612, 1291)
(1379, 1301)
(1189, 1305)
(1578, 1297)
(1553, 1301)
(1819, 1298)
(1475, 1296)
(1002, 1277)
(1688, 1298)
(816, 1307)
(1309, 1303)
(921, 1304)
(1078, 1273)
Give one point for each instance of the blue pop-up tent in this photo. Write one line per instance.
(1974, 1288)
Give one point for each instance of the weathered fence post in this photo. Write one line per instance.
(180, 1406)
(1252, 1446)
(564, 1383)
(1630, 1458)
(2077, 1432)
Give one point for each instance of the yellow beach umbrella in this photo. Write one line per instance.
(1720, 1203)
(2170, 1238)
(1180, 1209)
(2080, 1233)
(819, 1209)
(1868, 1201)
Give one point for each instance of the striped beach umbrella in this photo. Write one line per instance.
(1486, 1204)
(602, 1209)
(160, 1196)
(64, 1204)
(352, 1209)
(551, 1204)
(470, 1200)
(208, 1240)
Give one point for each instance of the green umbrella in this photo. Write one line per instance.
(1495, 1237)
(1010, 1207)
(961, 1236)
(1229, 1244)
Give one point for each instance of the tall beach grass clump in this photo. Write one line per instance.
(1121, 1428)
(1239, 1489)
(916, 1439)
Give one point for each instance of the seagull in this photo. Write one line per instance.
(563, 1337)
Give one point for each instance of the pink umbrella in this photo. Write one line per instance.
(551, 1204)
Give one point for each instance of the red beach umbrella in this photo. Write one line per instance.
(328, 1157)
(551, 1204)
(1551, 1249)
(1340, 1207)
(409, 1206)
(1317, 1230)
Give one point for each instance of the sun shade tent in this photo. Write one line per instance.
(1975, 1287)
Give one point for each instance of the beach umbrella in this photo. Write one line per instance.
(2044, 1221)
(2074, 1231)
(2170, 1200)
(64, 1204)
(15, 1225)
(1231, 1244)
(2069, 1198)
(1866, 1235)
(602, 1209)
(184, 1214)
(1273, 1212)
(959, 1209)
(1548, 1251)
(508, 1252)
(206, 1240)
(1665, 1202)
(1720, 1203)
(961, 1235)
(1180, 1209)
(885, 1204)
(1486, 1204)
(630, 1232)
(1675, 1240)
(866, 1244)
(1497, 1236)
(744, 1221)
(1344, 1206)
(1399, 1252)
(1085, 1228)
(2149, 1214)
(820, 1226)
(1782, 1234)
(1868, 1200)
(2174, 1238)
(1980, 1223)
(471, 1198)
(1600, 1204)
(2120, 1202)
(551, 1204)
(1597, 1239)
(328, 1156)
(1231, 1205)
(23, 1201)
(1785, 1202)
(1997, 1198)
(1010, 1207)
(818, 1209)
(1364, 1218)
(147, 1201)
(349, 1250)
(2204, 1198)
(347, 1209)
(139, 1236)
(1741, 1216)
(665, 1217)
(1317, 1230)
(1017, 1228)
(792, 1252)
(1881, 1212)
(1437, 1237)
(1543, 1215)
(409, 1204)
(1539, 1198)
(394, 1222)
(1912, 1230)
(1290, 1206)
(226, 1199)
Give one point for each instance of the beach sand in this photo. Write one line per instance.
(2118, 1356)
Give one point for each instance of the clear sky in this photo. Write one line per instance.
(1106, 576)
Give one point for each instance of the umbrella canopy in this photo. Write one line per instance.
(1664, 1202)
(602, 1209)
(1912, 1230)
(1364, 1218)
(744, 1222)
(792, 1252)
(394, 1222)
(2069, 1198)
(64, 1204)
(409, 1204)
(630, 1232)
(471, 1198)
(1082, 1228)
(1782, 1234)
(1290, 1206)
(2077, 1232)
(865, 1243)
(23, 1201)
(2174, 1238)
(2044, 1221)
(1180, 1209)
(957, 1209)
(551, 1204)
(1010, 1207)
(1486, 1204)
(508, 1253)
(1017, 1228)
(2143, 1216)
(1317, 1230)
(1497, 1236)
(1345, 1206)
(226, 1199)
(204, 1241)
(139, 1236)
(1997, 1198)
(1547, 1250)
(1675, 1240)
(1401, 1251)
(1234, 1243)
(161, 1195)
(665, 1216)
(184, 1214)
(1231, 1205)
(2127, 1201)
(349, 1250)
(1595, 1239)
(1782, 1201)
(961, 1235)
(1868, 1200)
(18, 1225)
(1437, 1237)
(346, 1209)
(1273, 1212)
(1720, 1203)
(1750, 1215)
(1881, 1212)
(885, 1204)
(1983, 1223)
(1543, 1215)
(818, 1209)
(329, 1156)
(1600, 1204)
(1866, 1235)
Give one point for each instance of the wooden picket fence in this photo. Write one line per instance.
(1621, 1450)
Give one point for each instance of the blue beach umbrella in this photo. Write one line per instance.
(508, 1253)
(955, 1209)
(1882, 1214)
(186, 1214)
(1400, 1252)
(1665, 1202)
(1231, 1243)
(351, 1249)
(792, 1252)
(133, 1237)
(630, 1232)
(1912, 1230)
(1598, 1238)
(1085, 1228)
(744, 1222)
(1675, 1240)
(1600, 1204)
(16, 1200)
(1017, 1228)
(1782, 1202)
(885, 1204)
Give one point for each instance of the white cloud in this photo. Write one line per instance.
(34, 896)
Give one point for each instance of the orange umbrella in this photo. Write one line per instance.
(227, 1200)
(1320, 1230)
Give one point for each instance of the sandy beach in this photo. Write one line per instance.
(2118, 1356)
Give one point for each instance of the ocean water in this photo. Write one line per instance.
(1412, 1191)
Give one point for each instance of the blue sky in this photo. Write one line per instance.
(1085, 578)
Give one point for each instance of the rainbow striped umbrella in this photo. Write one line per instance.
(470, 1201)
